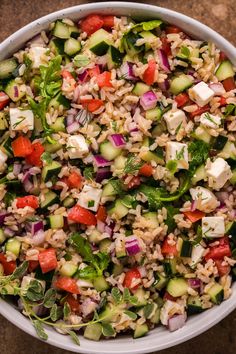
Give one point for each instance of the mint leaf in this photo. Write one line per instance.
(116, 295)
(107, 330)
(74, 337)
(40, 330)
(50, 298)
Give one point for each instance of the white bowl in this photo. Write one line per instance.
(158, 338)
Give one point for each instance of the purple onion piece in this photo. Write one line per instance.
(9, 232)
(132, 245)
(103, 173)
(117, 140)
(16, 91)
(127, 72)
(165, 85)
(100, 226)
(16, 168)
(28, 185)
(83, 76)
(164, 62)
(3, 214)
(100, 161)
(148, 100)
(83, 117)
(194, 283)
(69, 120)
(74, 127)
(176, 322)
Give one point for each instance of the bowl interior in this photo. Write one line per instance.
(159, 338)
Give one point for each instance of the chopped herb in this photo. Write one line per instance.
(180, 154)
(88, 173)
(132, 164)
(230, 110)
(19, 122)
(178, 128)
(172, 166)
(90, 203)
(199, 151)
(208, 117)
(46, 158)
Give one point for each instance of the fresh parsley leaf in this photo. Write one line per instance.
(185, 51)
(230, 110)
(88, 173)
(80, 60)
(180, 154)
(46, 157)
(51, 79)
(40, 330)
(117, 185)
(56, 312)
(86, 273)
(199, 151)
(172, 166)
(170, 222)
(147, 310)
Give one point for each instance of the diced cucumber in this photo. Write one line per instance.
(120, 250)
(231, 229)
(6, 146)
(52, 148)
(156, 316)
(177, 287)
(114, 57)
(50, 198)
(225, 70)
(68, 202)
(160, 281)
(216, 293)
(109, 314)
(229, 151)
(38, 127)
(119, 162)
(220, 142)
(2, 237)
(59, 100)
(149, 156)
(194, 305)
(154, 114)
(108, 151)
(129, 201)
(142, 297)
(14, 91)
(199, 174)
(233, 178)
(100, 284)
(117, 269)
(57, 45)
(61, 30)
(170, 266)
(180, 84)
(159, 129)
(99, 42)
(141, 330)
(202, 134)
(129, 44)
(93, 331)
(72, 46)
(74, 31)
(108, 190)
(13, 245)
(118, 210)
(68, 269)
(186, 249)
(95, 236)
(151, 217)
(56, 221)
(59, 125)
(7, 66)
(149, 36)
(140, 88)
(3, 121)
(51, 170)
(104, 245)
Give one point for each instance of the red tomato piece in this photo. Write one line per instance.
(223, 101)
(194, 216)
(165, 46)
(199, 111)
(108, 21)
(168, 249)
(101, 213)
(91, 24)
(229, 84)
(73, 303)
(4, 99)
(222, 269)
(172, 29)
(35, 157)
(131, 275)
(104, 79)
(134, 182)
(92, 105)
(8, 267)
(223, 56)
(48, 260)
(167, 296)
(181, 99)
(95, 71)
(74, 180)
(146, 170)
(29, 200)
(219, 251)
(81, 215)
(67, 284)
(67, 75)
(33, 265)
(21, 146)
(149, 73)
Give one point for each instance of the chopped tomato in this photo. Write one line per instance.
(168, 249)
(8, 267)
(146, 170)
(222, 269)
(35, 157)
(74, 180)
(165, 46)
(223, 101)
(172, 29)
(67, 75)
(167, 296)
(223, 56)
(91, 24)
(134, 182)
(229, 84)
(33, 265)
(29, 200)
(101, 213)
(181, 99)
(108, 21)
(95, 71)
(4, 99)
(21, 146)
(104, 79)
(92, 105)
(194, 216)
(149, 73)
(67, 284)
(48, 260)
(73, 303)
(130, 276)
(219, 251)
(81, 215)
(199, 111)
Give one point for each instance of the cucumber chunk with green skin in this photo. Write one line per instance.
(59, 125)
(149, 156)
(14, 91)
(160, 281)
(61, 30)
(180, 84)
(225, 70)
(2, 237)
(216, 293)
(117, 269)
(141, 330)
(74, 31)
(108, 151)
(13, 246)
(152, 219)
(109, 190)
(7, 67)
(202, 134)
(100, 284)
(148, 35)
(186, 249)
(104, 245)
(56, 221)
(99, 42)
(156, 316)
(229, 151)
(220, 142)
(50, 198)
(52, 148)
(68, 269)
(200, 174)
(154, 114)
(51, 170)
(59, 100)
(114, 57)
(141, 296)
(129, 44)
(118, 210)
(57, 45)
(140, 88)
(72, 46)
(109, 314)
(177, 287)
(68, 202)
(93, 331)
(233, 178)
(194, 305)
(169, 266)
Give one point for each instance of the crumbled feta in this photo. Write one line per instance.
(77, 146)
(21, 119)
(197, 254)
(218, 173)
(36, 54)
(89, 198)
(178, 152)
(213, 226)
(3, 159)
(210, 121)
(205, 199)
(175, 120)
(201, 94)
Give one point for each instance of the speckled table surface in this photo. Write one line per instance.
(218, 14)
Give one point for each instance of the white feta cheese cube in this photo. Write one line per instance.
(36, 54)
(89, 198)
(3, 159)
(77, 146)
(213, 226)
(179, 153)
(201, 94)
(218, 173)
(210, 121)
(205, 199)
(175, 120)
(197, 254)
(21, 119)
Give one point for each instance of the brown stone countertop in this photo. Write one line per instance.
(218, 14)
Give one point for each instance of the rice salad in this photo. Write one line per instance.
(118, 173)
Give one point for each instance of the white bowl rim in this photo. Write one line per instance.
(196, 324)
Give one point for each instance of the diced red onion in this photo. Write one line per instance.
(103, 173)
(218, 88)
(34, 226)
(108, 230)
(72, 128)
(83, 76)
(9, 232)
(38, 238)
(127, 72)
(148, 100)
(3, 214)
(81, 283)
(69, 119)
(111, 223)
(142, 270)
(25, 177)
(193, 205)
(28, 186)
(83, 117)
(132, 245)
(194, 283)
(16, 168)
(165, 85)
(117, 140)
(132, 126)
(100, 226)
(176, 322)
(34, 170)
(16, 91)
(101, 162)
(164, 62)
